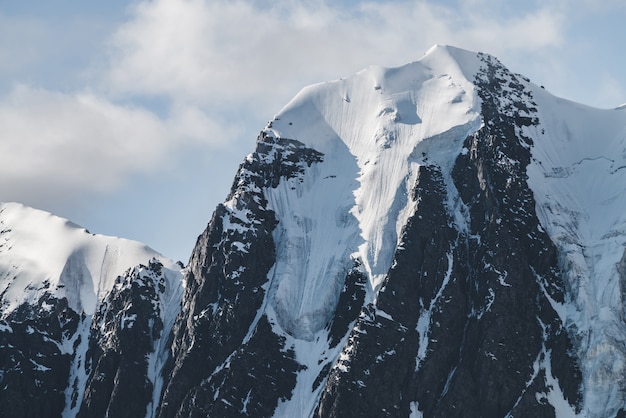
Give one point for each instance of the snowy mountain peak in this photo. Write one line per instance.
(435, 239)
(381, 93)
(374, 129)
(42, 253)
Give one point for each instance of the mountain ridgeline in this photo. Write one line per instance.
(442, 239)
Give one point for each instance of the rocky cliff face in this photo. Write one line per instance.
(35, 354)
(408, 242)
(225, 357)
(56, 362)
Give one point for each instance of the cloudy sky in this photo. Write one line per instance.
(131, 117)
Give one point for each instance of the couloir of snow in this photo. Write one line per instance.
(169, 308)
(374, 129)
(578, 176)
(40, 252)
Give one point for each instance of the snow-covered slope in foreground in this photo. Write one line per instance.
(40, 252)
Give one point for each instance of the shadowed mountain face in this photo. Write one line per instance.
(405, 242)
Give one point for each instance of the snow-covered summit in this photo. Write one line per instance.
(403, 93)
(374, 129)
(40, 253)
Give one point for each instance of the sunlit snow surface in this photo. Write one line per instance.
(578, 175)
(40, 252)
(373, 129)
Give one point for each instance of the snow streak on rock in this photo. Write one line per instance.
(123, 339)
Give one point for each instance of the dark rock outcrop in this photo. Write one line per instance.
(36, 343)
(122, 336)
(225, 357)
(464, 324)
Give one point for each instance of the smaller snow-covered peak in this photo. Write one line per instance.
(41, 252)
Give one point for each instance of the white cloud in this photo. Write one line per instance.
(190, 124)
(223, 53)
(55, 145)
(181, 78)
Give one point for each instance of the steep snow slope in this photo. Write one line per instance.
(374, 129)
(578, 176)
(40, 252)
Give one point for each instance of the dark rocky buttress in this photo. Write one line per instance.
(55, 361)
(225, 358)
(121, 338)
(36, 343)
